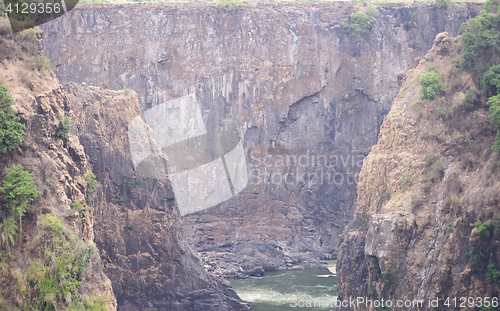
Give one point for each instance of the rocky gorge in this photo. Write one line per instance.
(346, 160)
(305, 97)
(426, 227)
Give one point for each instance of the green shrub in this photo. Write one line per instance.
(405, 181)
(480, 37)
(388, 277)
(411, 23)
(432, 67)
(496, 226)
(64, 128)
(228, 4)
(128, 226)
(450, 225)
(471, 100)
(83, 260)
(371, 10)
(439, 165)
(426, 186)
(11, 129)
(45, 62)
(442, 112)
(18, 189)
(131, 185)
(491, 6)
(476, 256)
(469, 50)
(91, 183)
(455, 201)
(469, 142)
(429, 159)
(416, 105)
(8, 229)
(416, 201)
(491, 81)
(431, 85)
(492, 273)
(53, 279)
(442, 3)
(482, 228)
(357, 23)
(494, 104)
(77, 207)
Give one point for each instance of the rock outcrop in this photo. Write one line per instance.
(424, 185)
(57, 165)
(135, 224)
(306, 99)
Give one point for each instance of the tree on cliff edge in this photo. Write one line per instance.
(11, 130)
(18, 189)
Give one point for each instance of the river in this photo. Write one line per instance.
(289, 290)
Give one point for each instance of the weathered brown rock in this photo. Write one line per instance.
(411, 236)
(57, 166)
(136, 228)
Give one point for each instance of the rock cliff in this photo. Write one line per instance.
(144, 264)
(58, 166)
(426, 183)
(136, 228)
(307, 100)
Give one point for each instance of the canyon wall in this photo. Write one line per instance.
(141, 262)
(135, 225)
(57, 166)
(306, 99)
(424, 186)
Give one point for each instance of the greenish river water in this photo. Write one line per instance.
(303, 289)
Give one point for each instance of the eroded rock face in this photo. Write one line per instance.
(136, 228)
(58, 166)
(306, 99)
(421, 189)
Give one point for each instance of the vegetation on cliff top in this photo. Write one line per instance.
(228, 4)
(357, 23)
